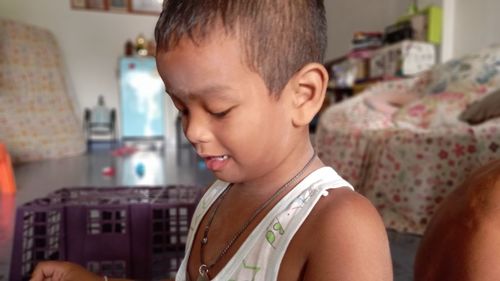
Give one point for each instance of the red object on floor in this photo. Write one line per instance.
(7, 181)
(108, 171)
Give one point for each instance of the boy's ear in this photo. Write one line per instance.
(308, 92)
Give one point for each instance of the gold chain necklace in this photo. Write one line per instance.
(204, 268)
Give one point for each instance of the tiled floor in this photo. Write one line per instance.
(37, 179)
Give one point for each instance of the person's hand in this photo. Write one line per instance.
(62, 271)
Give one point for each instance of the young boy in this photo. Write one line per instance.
(246, 77)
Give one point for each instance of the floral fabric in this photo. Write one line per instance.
(407, 163)
(37, 120)
(433, 111)
(475, 73)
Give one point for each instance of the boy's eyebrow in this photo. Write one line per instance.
(217, 91)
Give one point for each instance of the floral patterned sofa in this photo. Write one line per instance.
(402, 144)
(37, 118)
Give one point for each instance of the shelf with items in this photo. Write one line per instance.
(406, 48)
(352, 73)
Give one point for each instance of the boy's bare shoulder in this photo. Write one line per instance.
(343, 204)
(343, 231)
(345, 211)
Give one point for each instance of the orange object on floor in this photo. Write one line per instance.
(7, 181)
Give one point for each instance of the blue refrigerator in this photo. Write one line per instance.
(142, 94)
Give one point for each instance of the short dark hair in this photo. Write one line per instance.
(279, 36)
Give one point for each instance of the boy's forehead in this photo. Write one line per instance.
(213, 67)
(210, 90)
(216, 57)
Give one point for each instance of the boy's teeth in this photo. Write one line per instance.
(220, 158)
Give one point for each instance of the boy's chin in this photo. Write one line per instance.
(227, 177)
(220, 176)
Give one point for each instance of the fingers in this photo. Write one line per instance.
(49, 271)
(62, 271)
(43, 272)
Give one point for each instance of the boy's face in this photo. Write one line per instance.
(228, 115)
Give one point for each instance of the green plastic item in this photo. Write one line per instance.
(412, 9)
(434, 22)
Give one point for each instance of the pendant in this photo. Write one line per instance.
(203, 277)
(203, 273)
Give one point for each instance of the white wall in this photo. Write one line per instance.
(447, 50)
(476, 25)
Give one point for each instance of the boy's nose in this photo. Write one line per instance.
(196, 130)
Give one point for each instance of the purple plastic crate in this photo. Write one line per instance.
(128, 232)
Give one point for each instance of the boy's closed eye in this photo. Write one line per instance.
(215, 113)
(216, 105)
(220, 113)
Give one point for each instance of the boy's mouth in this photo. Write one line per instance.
(216, 163)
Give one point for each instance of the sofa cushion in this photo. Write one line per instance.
(389, 96)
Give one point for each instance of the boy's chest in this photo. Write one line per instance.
(224, 241)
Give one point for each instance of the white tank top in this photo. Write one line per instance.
(259, 257)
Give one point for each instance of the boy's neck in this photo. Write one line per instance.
(268, 183)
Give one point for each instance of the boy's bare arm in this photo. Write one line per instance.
(349, 240)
